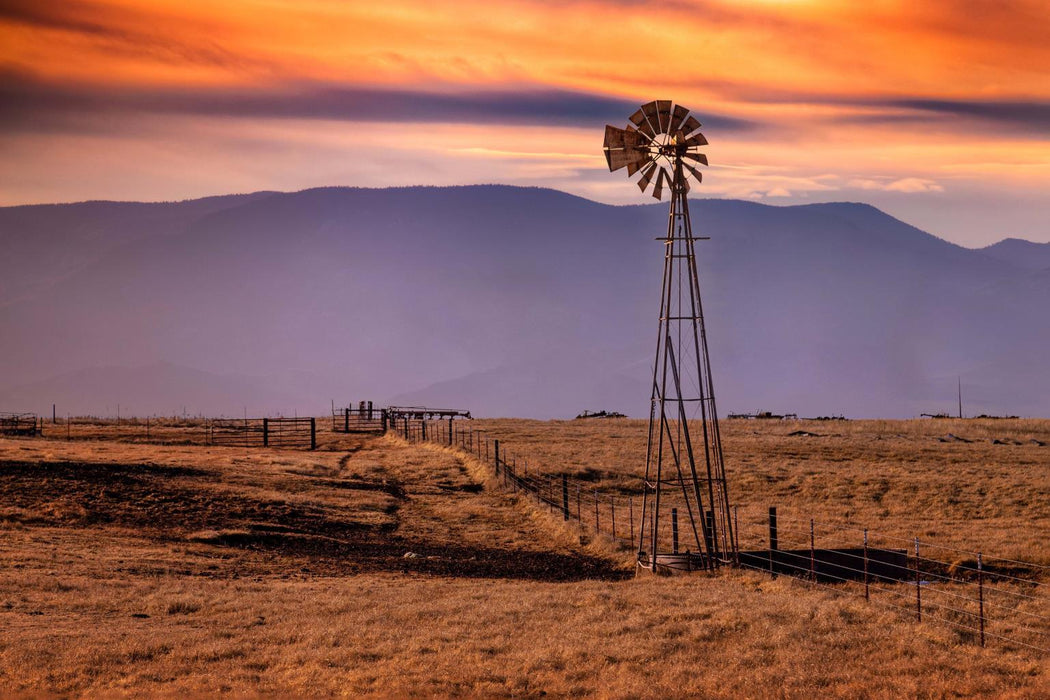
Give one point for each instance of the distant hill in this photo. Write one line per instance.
(504, 300)
(1023, 254)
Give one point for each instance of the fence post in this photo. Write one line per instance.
(980, 593)
(313, 433)
(384, 415)
(147, 428)
(918, 585)
(736, 534)
(495, 451)
(711, 541)
(867, 594)
(423, 425)
(812, 553)
(674, 532)
(772, 538)
(565, 497)
(630, 514)
(266, 432)
(346, 420)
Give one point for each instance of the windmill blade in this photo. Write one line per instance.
(635, 139)
(677, 116)
(658, 189)
(613, 137)
(691, 125)
(635, 166)
(619, 158)
(647, 176)
(639, 120)
(700, 157)
(652, 114)
(694, 172)
(663, 114)
(696, 139)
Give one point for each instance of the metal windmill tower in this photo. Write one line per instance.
(685, 522)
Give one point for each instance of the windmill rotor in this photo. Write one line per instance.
(660, 138)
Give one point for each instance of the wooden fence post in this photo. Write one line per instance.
(313, 433)
(266, 432)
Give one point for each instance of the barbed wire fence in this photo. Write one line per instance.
(984, 599)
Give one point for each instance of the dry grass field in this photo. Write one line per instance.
(376, 566)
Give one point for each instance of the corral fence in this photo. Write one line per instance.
(984, 599)
(281, 432)
(298, 433)
(20, 424)
(363, 419)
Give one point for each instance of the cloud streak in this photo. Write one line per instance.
(27, 104)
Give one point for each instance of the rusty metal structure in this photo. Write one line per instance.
(685, 520)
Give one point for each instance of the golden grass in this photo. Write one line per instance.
(895, 477)
(131, 569)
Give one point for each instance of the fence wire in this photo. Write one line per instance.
(982, 598)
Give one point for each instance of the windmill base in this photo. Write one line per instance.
(668, 564)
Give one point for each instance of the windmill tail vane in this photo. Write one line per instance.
(685, 520)
(662, 142)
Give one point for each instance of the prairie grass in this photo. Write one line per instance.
(137, 569)
(945, 481)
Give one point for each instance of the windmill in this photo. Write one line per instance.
(685, 482)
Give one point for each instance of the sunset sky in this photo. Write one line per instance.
(936, 111)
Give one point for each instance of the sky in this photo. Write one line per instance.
(936, 111)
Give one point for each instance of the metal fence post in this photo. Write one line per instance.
(812, 553)
(674, 532)
(980, 593)
(918, 584)
(565, 497)
(495, 452)
(630, 514)
(772, 537)
(867, 586)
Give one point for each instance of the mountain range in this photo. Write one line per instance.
(506, 301)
